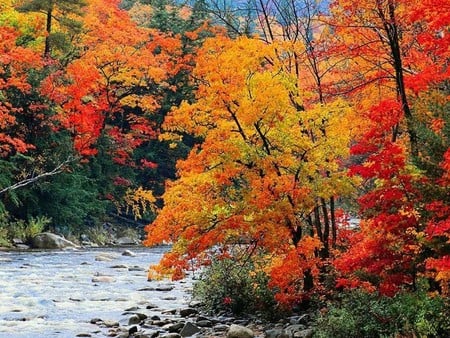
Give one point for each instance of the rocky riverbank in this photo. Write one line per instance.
(137, 322)
(147, 320)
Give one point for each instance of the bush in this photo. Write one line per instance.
(11, 228)
(232, 286)
(408, 314)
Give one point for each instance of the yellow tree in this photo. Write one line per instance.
(261, 167)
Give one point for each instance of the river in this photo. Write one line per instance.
(52, 293)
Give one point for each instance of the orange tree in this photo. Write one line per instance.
(262, 166)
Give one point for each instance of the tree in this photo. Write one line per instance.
(390, 45)
(261, 169)
(64, 12)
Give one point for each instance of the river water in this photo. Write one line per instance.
(52, 293)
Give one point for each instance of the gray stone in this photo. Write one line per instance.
(119, 266)
(133, 308)
(103, 279)
(307, 333)
(95, 320)
(125, 241)
(47, 240)
(164, 288)
(238, 331)
(105, 257)
(134, 319)
(173, 327)
(128, 253)
(221, 327)
(171, 335)
(292, 329)
(187, 312)
(204, 323)
(22, 246)
(136, 268)
(141, 316)
(189, 329)
(111, 323)
(276, 333)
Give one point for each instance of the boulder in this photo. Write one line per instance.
(47, 240)
(238, 331)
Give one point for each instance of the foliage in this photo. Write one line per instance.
(234, 286)
(11, 228)
(360, 314)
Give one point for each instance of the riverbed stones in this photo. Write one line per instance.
(47, 240)
(239, 331)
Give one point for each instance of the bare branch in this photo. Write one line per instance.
(58, 169)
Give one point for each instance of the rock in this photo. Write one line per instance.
(125, 241)
(276, 333)
(221, 327)
(164, 288)
(136, 268)
(133, 308)
(174, 327)
(111, 323)
(187, 312)
(84, 335)
(169, 298)
(119, 266)
(22, 246)
(134, 319)
(105, 257)
(132, 330)
(95, 320)
(103, 279)
(47, 240)
(16, 241)
(238, 331)
(307, 333)
(128, 253)
(189, 329)
(171, 335)
(147, 288)
(293, 329)
(204, 323)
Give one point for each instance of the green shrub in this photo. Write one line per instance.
(11, 228)
(409, 314)
(232, 286)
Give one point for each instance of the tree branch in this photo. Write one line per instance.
(58, 169)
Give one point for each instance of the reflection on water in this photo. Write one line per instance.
(51, 293)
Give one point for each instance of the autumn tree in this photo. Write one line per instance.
(398, 48)
(260, 169)
(388, 43)
(63, 14)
